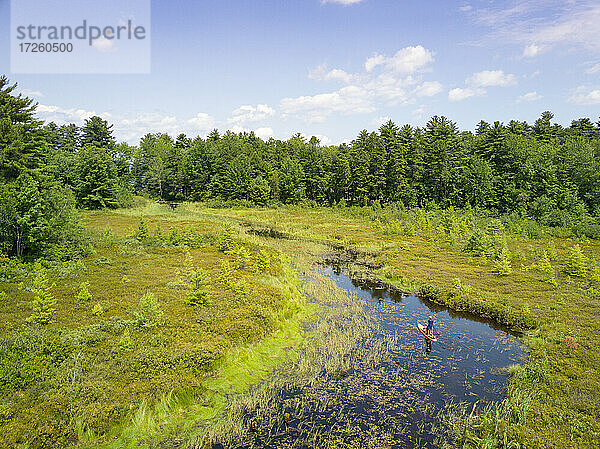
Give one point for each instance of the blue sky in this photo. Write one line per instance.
(332, 68)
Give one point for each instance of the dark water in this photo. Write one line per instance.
(465, 363)
(400, 401)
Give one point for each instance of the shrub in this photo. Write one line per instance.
(225, 242)
(174, 237)
(225, 272)
(198, 294)
(241, 289)
(430, 292)
(545, 267)
(84, 294)
(262, 262)
(503, 266)
(125, 342)
(479, 243)
(459, 289)
(142, 232)
(44, 301)
(148, 313)
(577, 263)
(192, 238)
(241, 256)
(98, 309)
(37, 217)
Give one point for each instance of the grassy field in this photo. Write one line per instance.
(173, 311)
(148, 333)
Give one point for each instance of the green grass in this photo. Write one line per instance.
(113, 370)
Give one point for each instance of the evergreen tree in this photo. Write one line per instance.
(96, 178)
(97, 132)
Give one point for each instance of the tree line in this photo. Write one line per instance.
(543, 171)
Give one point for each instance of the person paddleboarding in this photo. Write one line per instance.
(429, 329)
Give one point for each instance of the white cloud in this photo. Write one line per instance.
(31, 93)
(529, 96)
(406, 60)
(489, 78)
(374, 61)
(378, 121)
(264, 133)
(248, 113)
(324, 140)
(322, 74)
(594, 69)
(465, 8)
(459, 94)
(315, 108)
(528, 22)
(201, 122)
(428, 89)
(63, 116)
(419, 112)
(396, 81)
(531, 50)
(585, 96)
(104, 45)
(130, 129)
(342, 2)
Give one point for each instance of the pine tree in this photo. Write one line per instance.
(44, 301)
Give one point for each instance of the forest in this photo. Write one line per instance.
(541, 171)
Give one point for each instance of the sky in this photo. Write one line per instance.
(331, 68)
